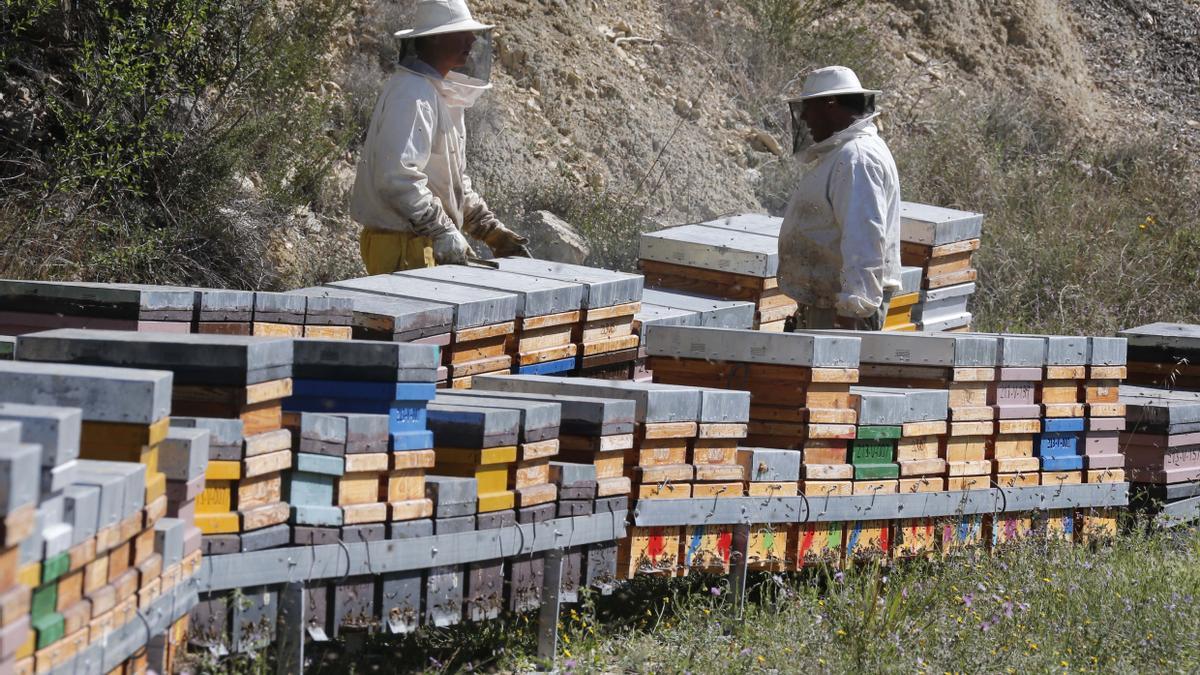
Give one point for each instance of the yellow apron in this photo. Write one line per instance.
(384, 252)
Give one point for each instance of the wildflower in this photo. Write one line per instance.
(841, 632)
(761, 659)
(1046, 579)
(745, 652)
(1008, 610)
(569, 663)
(715, 591)
(839, 577)
(567, 653)
(967, 600)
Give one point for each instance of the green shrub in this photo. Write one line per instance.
(135, 126)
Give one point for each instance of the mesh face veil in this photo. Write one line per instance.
(479, 64)
(802, 136)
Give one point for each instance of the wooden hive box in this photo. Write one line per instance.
(483, 321)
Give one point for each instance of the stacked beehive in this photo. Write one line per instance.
(1164, 355)
(95, 552)
(799, 398)
(595, 434)
(379, 392)
(722, 263)
(327, 317)
(221, 376)
(1160, 439)
(548, 314)
(223, 312)
(770, 472)
(537, 443)
(799, 386)
(657, 464)
(876, 471)
(1060, 445)
(1104, 461)
(278, 315)
(1018, 425)
(389, 318)
(480, 440)
(484, 320)
(917, 417)
(605, 339)
(963, 366)
(1160, 444)
(34, 306)
(900, 309)
(524, 483)
(941, 242)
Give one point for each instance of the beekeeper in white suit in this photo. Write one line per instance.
(412, 194)
(839, 247)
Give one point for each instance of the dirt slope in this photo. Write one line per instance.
(651, 98)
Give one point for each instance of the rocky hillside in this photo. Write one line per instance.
(674, 106)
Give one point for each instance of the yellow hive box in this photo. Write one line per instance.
(102, 436)
(497, 501)
(490, 478)
(218, 523)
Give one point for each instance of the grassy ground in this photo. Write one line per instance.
(1038, 607)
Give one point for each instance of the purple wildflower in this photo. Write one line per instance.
(839, 577)
(715, 591)
(1008, 609)
(745, 652)
(968, 599)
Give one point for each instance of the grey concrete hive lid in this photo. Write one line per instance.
(361, 360)
(473, 307)
(714, 312)
(935, 225)
(754, 223)
(946, 350)
(812, 350)
(653, 406)
(194, 358)
(713, 249)
(536, 296)
(118, 301)
(391, 314)
(601, 287)
(103, 394)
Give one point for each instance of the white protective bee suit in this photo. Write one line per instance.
(839, 244)
(412, 174)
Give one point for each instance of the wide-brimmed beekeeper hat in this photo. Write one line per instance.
(436, 17)
(832, 81)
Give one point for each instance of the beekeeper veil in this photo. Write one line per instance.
(437, 17)
(825, 83)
